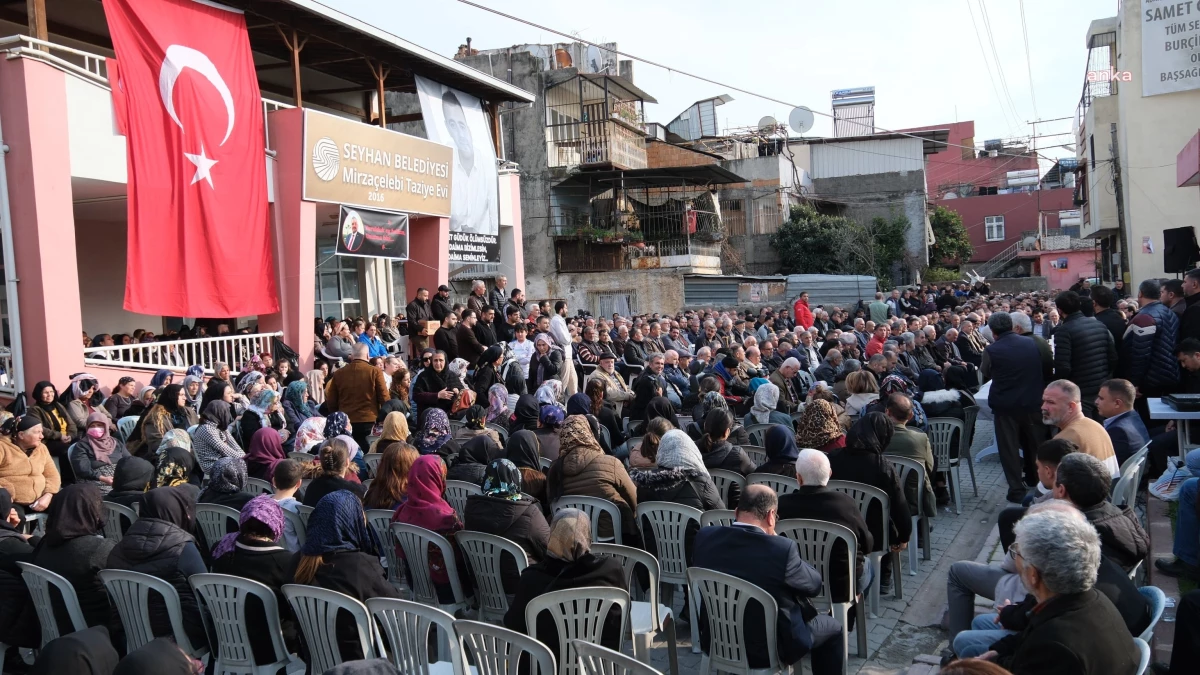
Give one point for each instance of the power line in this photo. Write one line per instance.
(987, 64)
(1028, 63)
(987, 27)
(702, 78)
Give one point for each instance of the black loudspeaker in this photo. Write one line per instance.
(1180, 252)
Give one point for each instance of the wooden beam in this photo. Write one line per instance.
(312, 64)
(380, 72)
(410, 117)
(494, 111)
(295, 45)
(35, 10)
(21, 18)
(315, 100)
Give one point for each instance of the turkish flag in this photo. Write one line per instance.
(199, 232)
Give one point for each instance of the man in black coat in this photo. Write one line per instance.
(445, 338)
(1189, 324)
(1084, 351)
(418, 312)
(441, 305)
(817, 501)
(648, 385)
(750, 550)
(1102, 298)
(1084, 481)
(1014, 365)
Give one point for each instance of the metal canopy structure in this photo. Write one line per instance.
(697, 176)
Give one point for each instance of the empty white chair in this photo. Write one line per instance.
(725, 599)
(718, 517)
(593, 507)
(1125, 491)
(668, 523)
(223, 599)
(920, 523)
(316, 611)
(484, 553)
(405, 627)
(578, 614)
(756, 453)
(39, 580)
(816, 539)
(457, 492)
(782, 485)
(941, 437)
(758, 434)
(380, 520)
(258, 486)
(497, 651)
(415, 542)
(113, 513)
(130, 592)
(645, 616)
(863, 495)
(372, 460)
(214, 521)
(600, 660)
(298, 525)
(724, 479)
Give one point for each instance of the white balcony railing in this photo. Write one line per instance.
(85, 64)
(177, 355)
(8, 387)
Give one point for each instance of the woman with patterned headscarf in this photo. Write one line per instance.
(264, 413)
(475, 424)
(296, 405)
(177, 463)
(193, 392)
(226, 483)
(310, 435)
(549, 393)
(434, 436)
(341, 553)
(569, 563)
(497, 409)
(584, 469)
(545, 364)
(819, 428)
(503, 510)
(711, 400)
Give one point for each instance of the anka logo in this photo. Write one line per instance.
(325, 159)
(1110, 75)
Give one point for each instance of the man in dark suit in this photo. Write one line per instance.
(446, 339)
(816, 501)
(1014, 365)
(1114, 402)
(1102, 298)
(355, 238)
(750, 550)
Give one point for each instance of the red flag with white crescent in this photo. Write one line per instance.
(199, 233)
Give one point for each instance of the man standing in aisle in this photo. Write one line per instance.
(1014, 365)
(358, 389)
(418, 312)
(562, 337)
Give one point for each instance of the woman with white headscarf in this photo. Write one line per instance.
(679, 477)
(766, 398)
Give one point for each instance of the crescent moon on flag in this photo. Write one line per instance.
(179, 57)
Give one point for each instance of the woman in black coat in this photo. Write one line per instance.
(504, 511)
(473, 459)
(546, 362)
(160, 543)
(18, 618)
(680, 477)
(568, 564)
(719, 453)
(487, 373)
(73, 547)
(97, 453)
(862, 461)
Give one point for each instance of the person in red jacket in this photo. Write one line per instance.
(801, 313)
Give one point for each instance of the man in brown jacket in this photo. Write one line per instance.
(357, 389)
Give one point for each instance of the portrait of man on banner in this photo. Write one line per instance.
(457, 119)
(352, 231)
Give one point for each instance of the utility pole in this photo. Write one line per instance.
(1122, 240)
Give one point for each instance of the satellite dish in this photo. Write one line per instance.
(800, 119)
(767, 124)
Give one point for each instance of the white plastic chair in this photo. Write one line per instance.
(756, 453)
(302, 457)
(213, 520)
(668, 522)
(39, 580)
(645, 616)
(1125, 491)
(724, 479)
(545, 463)
(223, 599)
(593, 507)
(35, 523)
(372, 460)
(125, 426)
(725, 599)
(305, 512)
(941, 437)
(498, 651)
(298, 524)
(380, 520)
(1158, 604)
(578, 614)
(405, 628)
(316, 611)
(1144, 650)
(484, 553)
(130, 592)
(920, 523)
(816, 539)
(782, 485)
(1142, 452)
(970, 416)
(863, 495)
(501, 431)
(415, 542)
(113, 513)
(457, 492)
(758, 434)
(600, 660)
(718, 517)
(258, 486)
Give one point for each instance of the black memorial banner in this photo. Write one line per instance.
(372, 234)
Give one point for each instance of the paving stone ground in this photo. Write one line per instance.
(911, 626)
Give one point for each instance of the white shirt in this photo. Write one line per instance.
(523, 351)
(561, 335)
(473, 201)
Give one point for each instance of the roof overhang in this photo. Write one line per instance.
(692, 176)
(616, 85)
(933, 140)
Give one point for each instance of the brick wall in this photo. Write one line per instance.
(661, 155)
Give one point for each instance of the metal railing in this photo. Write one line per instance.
(177, 355)
(675, 247)
(8, 386)
(84, 64)
(604, 142)
(999, 261)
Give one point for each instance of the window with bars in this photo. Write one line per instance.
(337, 292)
(620, 302)
(994, 228)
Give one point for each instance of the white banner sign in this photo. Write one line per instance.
(1170, 46)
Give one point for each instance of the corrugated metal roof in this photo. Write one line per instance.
(861, 158)
(831, 289)
(719, 291)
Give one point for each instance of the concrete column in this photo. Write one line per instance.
(33, 105)
(428, 262)
(294, 229)
(512, 249)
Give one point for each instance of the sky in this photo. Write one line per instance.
(929, 63)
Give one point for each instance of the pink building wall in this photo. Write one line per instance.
(1020, 211)
(1080, 265)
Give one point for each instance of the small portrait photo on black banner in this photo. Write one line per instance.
(372, 234)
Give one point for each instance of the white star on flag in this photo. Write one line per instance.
(204, 166)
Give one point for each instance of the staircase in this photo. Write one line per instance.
(998, 262)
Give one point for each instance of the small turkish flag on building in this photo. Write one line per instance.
(199, 233)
